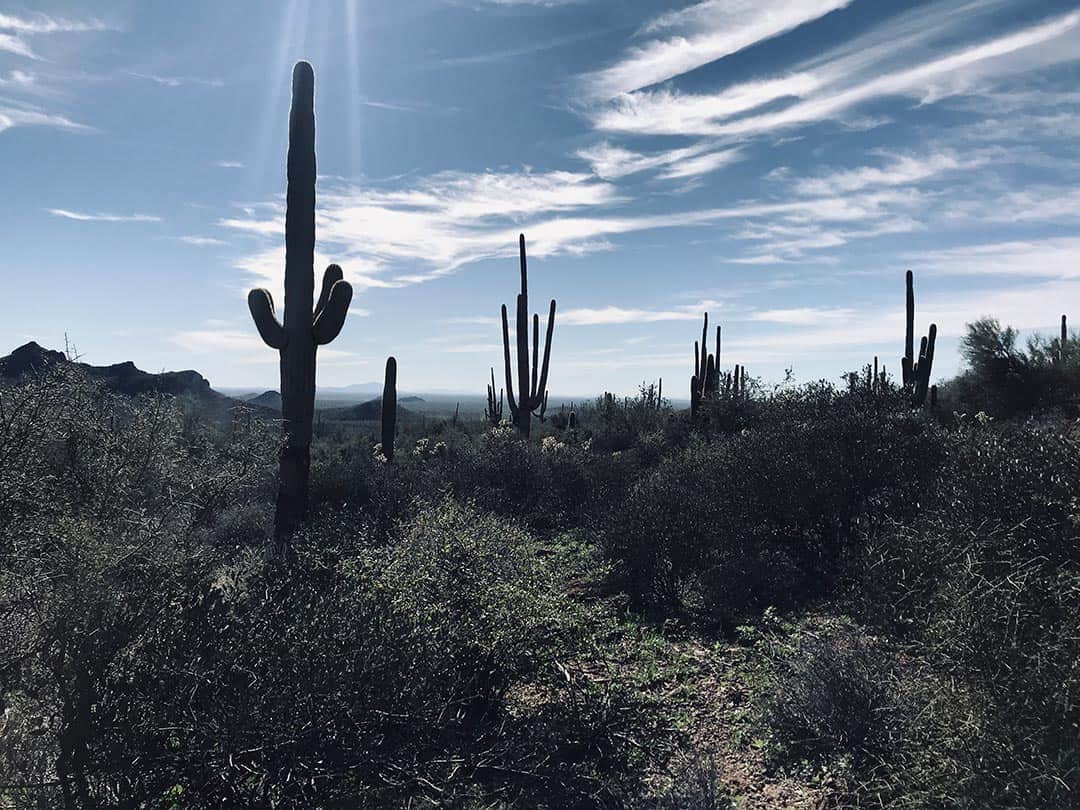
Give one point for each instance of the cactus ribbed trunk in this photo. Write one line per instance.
(389, 408)
(298, 356)
(303, 330)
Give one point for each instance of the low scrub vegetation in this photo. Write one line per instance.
(810, 595)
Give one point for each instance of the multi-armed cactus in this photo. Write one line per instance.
(705, 381)
(303, 331)
(708, 381)
(494, 410)
(389, 409)
(532, 392)
(916, 371)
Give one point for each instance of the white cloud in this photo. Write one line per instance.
(442, 223)
(85, 217)
(701, 34)
(668, 112)
(614, 162)
(901, 170)
(608, 315)
(178, 81)
(1044, 258)
(21, 117)
(229, 164)
(454, 219)
(202, 241)
(872, 66)
(44, 24)
(17, 79)
(15, 30)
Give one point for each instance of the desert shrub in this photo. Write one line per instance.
(831, 692)
(416, 672)
(987, 581)
(696, 784)
(107, 505)
(764, 516)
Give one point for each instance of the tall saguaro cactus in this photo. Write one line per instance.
(303, 330)
(532, 392)
(916, 371)
(389, 409)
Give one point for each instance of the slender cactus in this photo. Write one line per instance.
(494, 410)
(1063, 341)
(532, 391)
(916, 371)
(303, 331)
(389, 409)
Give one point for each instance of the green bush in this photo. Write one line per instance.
(986, 580)
(765, 516)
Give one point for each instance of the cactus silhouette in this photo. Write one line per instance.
(389, 409)
(916, 371)
(494, 411)
(303, 330)
(532, 393)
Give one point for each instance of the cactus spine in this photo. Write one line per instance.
(389, 408)
(532, 392)
(916, 372)
(303, 331)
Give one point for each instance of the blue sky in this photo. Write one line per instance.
(778, 163)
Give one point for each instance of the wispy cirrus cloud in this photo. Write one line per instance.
(1056, 258)
(611, 162)
(16, 31)
(388, 238)
(698, 35)
(12, 116)
(18, 79)
(891, 61)
(178, 81)
(83, 216)
(201, 241)
(438, 225)
(609, 315)
(899, 170)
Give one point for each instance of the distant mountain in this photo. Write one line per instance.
(267, 399)
(370, 411)
(124, 378)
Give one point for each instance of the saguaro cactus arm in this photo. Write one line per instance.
(511, 401)
(261, 304)
(333, 306)
(540, 388)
